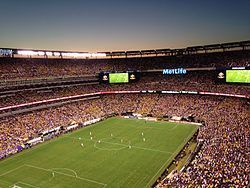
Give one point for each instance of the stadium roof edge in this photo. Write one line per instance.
(187, 50)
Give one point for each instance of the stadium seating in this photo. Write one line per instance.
(223, 159)
(26, 68)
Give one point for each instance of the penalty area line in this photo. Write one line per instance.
(20, 182)
(77, 177)
(11, 170)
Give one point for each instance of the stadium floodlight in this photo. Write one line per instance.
(40, 53)
(98, 55)
(65, 54)
(69, 54)
(56, 54)
(48, 53)
(25, 52)
(83, 55)
(30, 53)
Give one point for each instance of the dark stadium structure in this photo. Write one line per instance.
(42, 89)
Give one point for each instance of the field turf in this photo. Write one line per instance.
(121, 153)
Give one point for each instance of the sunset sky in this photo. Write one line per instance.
(111, 25)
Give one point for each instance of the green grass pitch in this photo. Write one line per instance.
(121, 153)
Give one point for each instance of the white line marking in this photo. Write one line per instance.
(173, 127)
(164, 165)
(12, 170)
(20, 182)
(14, 186)
(156, 150)
(109, 149)
(4, 182)
(30, 149)
(81, 178)
(148, 149)
(65, 169)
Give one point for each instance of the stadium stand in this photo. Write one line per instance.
(224, 157)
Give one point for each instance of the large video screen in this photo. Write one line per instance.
(118, 78)
(238, 76)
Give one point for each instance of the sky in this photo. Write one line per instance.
(115, 25)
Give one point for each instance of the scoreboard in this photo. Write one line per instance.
(234, 75)
(231, 75)
(238, 76)
(119, 77)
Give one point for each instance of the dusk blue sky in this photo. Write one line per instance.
(111, 25)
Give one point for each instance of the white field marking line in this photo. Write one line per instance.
(30, 149)
(164, 165)
(148, 149)
(40, 145)
(65, 169)
(15, 186)
(81, 178)
(156, 150)
(11, 170)
(20, 182)
(173, 128)
(4, 182)
(143, 127)
(108, 148)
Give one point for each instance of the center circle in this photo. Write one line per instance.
(111, 143)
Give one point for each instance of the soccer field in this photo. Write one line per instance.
(115, 152)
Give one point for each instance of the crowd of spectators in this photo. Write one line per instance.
(222, 160)
(190, 82)
(28, 68)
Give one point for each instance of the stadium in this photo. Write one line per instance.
(127, 121)
(124, 94)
